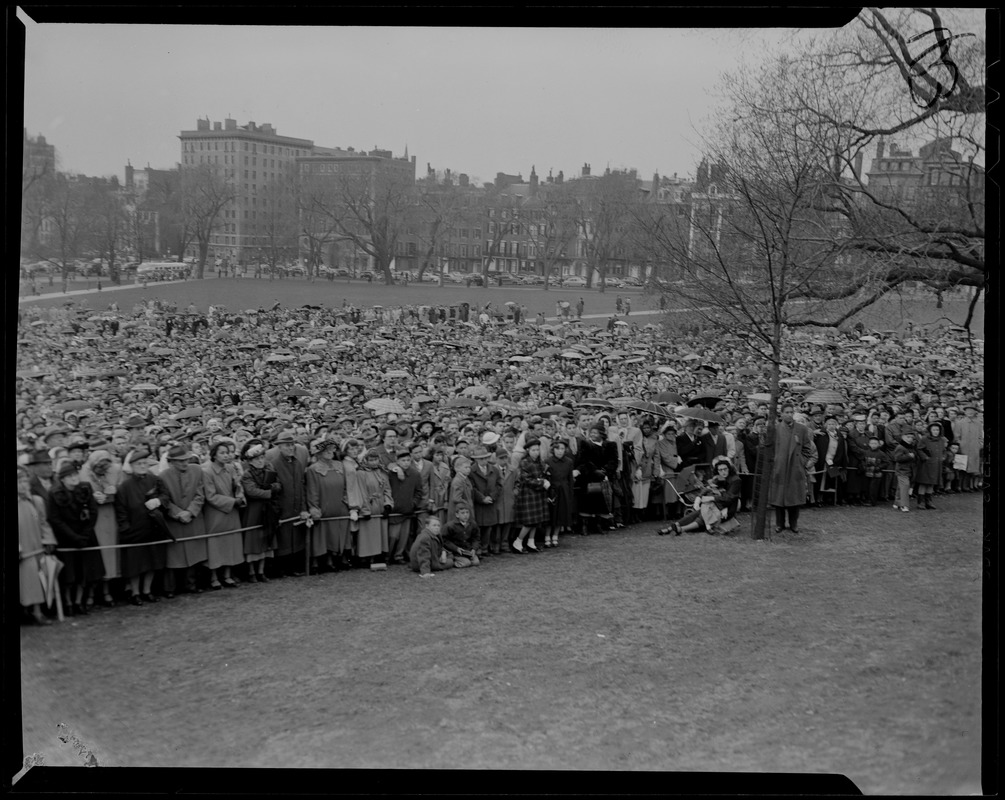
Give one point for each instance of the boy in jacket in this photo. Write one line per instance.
(461, 538)
(906, 458)
(424, 557)
(874, 462)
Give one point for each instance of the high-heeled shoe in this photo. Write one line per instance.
(230, 583)
(135, 600)
(215, 585)
(532, 548)
(260, 577)
(150, 598)
(516, 547)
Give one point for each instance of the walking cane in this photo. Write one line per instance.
(308, 523)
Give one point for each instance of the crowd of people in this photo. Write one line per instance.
(162, 451)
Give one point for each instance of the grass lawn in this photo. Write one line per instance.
(854, 648)
(893, 312)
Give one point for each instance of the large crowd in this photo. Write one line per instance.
(165, 450)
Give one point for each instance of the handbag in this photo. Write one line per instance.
(595, 487)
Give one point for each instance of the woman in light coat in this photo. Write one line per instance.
(222, 511)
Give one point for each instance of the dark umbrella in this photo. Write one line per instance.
(595, 402)
(550, 411)
(702, 414)
(73, 405)
(669, 397)
(647, 407)
(710, 401)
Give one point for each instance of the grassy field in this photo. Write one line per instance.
(893, 312)
(853, 648)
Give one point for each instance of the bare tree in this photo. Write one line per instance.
(370, 207)
(755, 238)
(110, 225)
(317, 207)
(278, 223)
(70, 221)
(604, 212)
(439, 207)
(204, 193)
(553, 227)
(164, 197)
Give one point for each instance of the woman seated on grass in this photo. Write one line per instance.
(716, 503)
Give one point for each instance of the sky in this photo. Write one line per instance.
(474, 100)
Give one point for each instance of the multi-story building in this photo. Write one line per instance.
(368, 176)
(938, 172)
(38, 157)
(250, 158)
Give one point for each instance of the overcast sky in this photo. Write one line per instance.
(476, 100)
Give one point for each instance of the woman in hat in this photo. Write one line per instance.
(261, 489)
(669, 463)
(646, 468)
(102, 472)
(35, 539)
(72, 511)
(929, 474)
(532, 507)
(371, 495)
(135, 502)
(224, 501)
(561, 473)
(182, 497)
(596, 462)
(327, 496)
(717, 503)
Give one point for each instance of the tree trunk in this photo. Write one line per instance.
(766, 459)
(203, 253)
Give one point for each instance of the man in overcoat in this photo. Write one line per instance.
(794, 454)
(290, 540)
(180, 490)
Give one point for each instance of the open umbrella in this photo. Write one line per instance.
(189, 413)
(710, 401)
(33, 373)
(547, 352)
(825, 396)
(760, 397)
(621, 323)
(146, 387)
(667, 370)
(699, 413)
(819, 376)
(870, 339)
(384, 405)
(550, 411)
(423, 398)
(914, 371)
(396, 373)
(476, 391)
(520, 359)
(573, 354)
(539, 378)
(791, 381)
(706, 368)
(647, 407)
(692, 357)
(669, 397)
(864, 368)
(462, 402)
(352, 381)
(73, 405)
(595, 402)
(310, 357)
(506, 405)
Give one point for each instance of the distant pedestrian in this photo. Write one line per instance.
(579, 308)
(619, 304)
(628, 306)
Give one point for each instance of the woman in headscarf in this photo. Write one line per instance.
(35, 539)
(327, 496)
(222, 511)
(103, 474)
(929, 474)
(135, 501)
(261, 489)
(72, 511)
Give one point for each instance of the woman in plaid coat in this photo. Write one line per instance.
(532, 508)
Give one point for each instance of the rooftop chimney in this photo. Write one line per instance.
(880, 148)
(586, 170)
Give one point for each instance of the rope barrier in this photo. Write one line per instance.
(297, 520)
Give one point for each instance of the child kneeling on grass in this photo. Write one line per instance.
(462, 537)
(428, 555)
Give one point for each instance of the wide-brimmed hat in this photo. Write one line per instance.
(323, 443)
(489, 438)
(39, 457)
(68, 467)
(179, 452)
(286, 436)
(134, 421)
(480, 451)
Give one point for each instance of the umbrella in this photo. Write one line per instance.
(396, 373)
(622, 402)
(146, 387)
(634, 360)
(476, 391)
(550, 411)
(423, 398)
(32, 373)
(352, 381)
(621, 323)
(48, 570)
(310, 357)
(114, 373)
(572, 354)
(189, 413)
(914, 371)
(611, 357)
(37, 322)
(870, 339)
(825, 396)
(667, 370)
(520, 358)
(539, 378)
(692, 357)
(506, 405)
(274, 359)
(646, 407)
(595, 402)
(669, 397)
(791, 381)
(914, 343)
(462, 402)
(384, 405)
(760, 397)
(547, 352)
(73, 405)
(706, 368)
(297, 392)
(710, 401)
(575, 385)
(864, 368)
(819, 376)
(698, 413)
(950, 370)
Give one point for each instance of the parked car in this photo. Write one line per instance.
(632, 282)
(456, 277)
(533, 280)
(574, 280)
(614, 281)
(368, 275)
(431, 277)
(503, 278)
(342, 272)
(474, 279)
